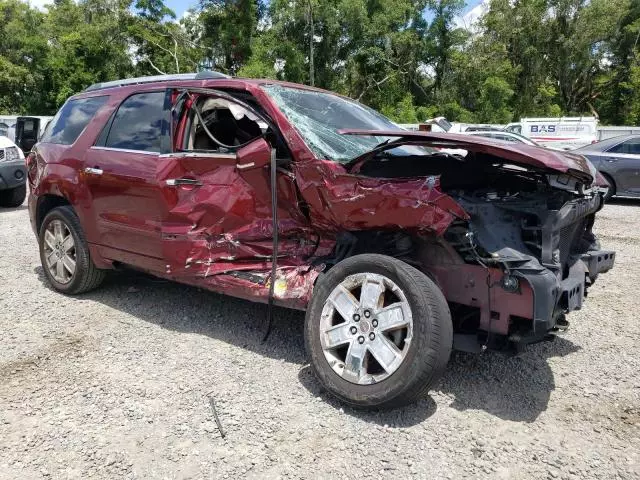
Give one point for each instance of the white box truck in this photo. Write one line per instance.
(564, 133)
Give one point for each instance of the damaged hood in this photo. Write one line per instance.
(516, 153)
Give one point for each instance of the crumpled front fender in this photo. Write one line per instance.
(341, 201)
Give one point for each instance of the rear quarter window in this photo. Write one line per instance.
(71, 120)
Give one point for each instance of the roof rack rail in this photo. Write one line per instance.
(205, 75)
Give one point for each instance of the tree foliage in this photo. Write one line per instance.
(408, 58)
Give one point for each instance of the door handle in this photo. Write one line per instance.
(177, 182)
(93, 171)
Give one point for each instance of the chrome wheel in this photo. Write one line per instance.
(366, 328)
(60, 251)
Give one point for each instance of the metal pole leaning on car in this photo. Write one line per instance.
(274, 257)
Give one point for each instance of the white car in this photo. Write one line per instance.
(13, 174)
(503, 136)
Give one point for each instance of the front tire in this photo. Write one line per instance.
(64, 253)
(14, 197)
(378, 332)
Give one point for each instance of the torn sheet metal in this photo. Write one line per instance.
(293, 285)
(342, 201)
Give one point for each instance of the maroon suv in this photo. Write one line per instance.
(274, 192)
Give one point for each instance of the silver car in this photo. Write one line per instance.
(618, 159)
(502, 136)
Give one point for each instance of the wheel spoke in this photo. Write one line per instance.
(67, 243)
(354, 362)
(371, 293)
(392, 317)
(49, 239)
(357, 348)
(385, 352)
(51, 259)
(337, 335)
(344, 302)
(69, 263)
(60, 270)
(57, 231)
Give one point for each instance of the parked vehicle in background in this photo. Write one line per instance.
(8, 126)
(498, 135)
(564, 133)
(13, 174)
(503, 136)
(276, 192)
(441, 124)
(28, 130)
(482, 128)
(618, 160)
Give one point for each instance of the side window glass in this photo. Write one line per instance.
(71, 120)
(617, 148)
(29, 125)
(630, 146)
(634, 147)
(220, 125)
(141, 123)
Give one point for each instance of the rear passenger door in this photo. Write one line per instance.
(120, 172)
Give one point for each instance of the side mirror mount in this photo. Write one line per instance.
(255, 155)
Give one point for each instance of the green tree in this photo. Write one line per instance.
(228, 27)
(22, 52)
(618, 87)
(88, 43)
(580, 31)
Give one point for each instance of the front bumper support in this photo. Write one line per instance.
(554, 297)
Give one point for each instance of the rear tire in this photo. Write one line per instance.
(382, 349)
(13, 197)
(64, 253)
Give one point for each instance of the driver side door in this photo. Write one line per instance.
(216, 187)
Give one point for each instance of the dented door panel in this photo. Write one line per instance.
(225, 218)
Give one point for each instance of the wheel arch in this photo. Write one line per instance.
(612, 183)
(46, 203)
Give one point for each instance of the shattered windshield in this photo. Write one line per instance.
(318, 116)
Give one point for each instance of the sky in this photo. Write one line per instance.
(471, 11)
(181, 6)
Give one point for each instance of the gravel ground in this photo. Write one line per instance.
(114, 384)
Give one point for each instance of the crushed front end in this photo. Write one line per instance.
(529, 259)
(523, 255)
